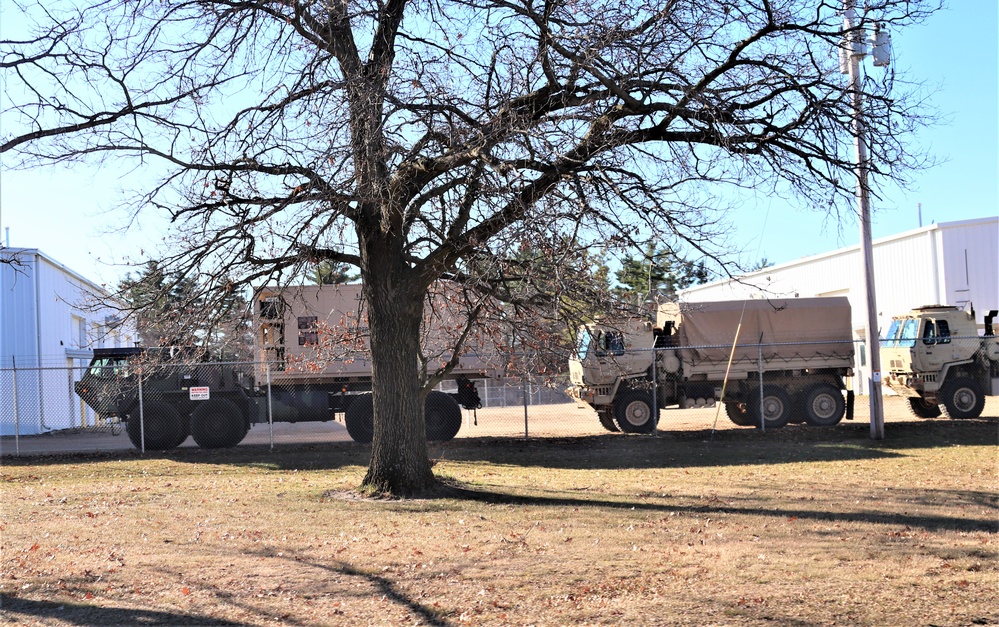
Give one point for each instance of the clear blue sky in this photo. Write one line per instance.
(70, 215)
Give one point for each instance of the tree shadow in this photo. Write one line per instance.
(96, 616)
(450, 489)
(386, 587)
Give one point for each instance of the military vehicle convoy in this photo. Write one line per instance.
(184, 393)
(935, 358)
(769, 361)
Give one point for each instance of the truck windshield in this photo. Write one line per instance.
(109, 367)
(907, 339)
(891, 338)
(583, 340)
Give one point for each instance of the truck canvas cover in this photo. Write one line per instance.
(798, 332)
(320, 331)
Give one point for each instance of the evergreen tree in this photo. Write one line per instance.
(659, 274)
(333, 273)
(172, 310)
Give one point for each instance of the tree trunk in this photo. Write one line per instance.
(400, 462)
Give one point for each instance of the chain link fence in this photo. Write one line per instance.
(121, 404)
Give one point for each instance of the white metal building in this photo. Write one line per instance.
(951, 263)
(49, 324)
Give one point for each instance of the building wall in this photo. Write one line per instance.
(971, 264)
(949, 263)
(48, 326)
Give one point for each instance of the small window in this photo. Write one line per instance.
(307, 322)
(929, 333)
(943, 332)
(270, 308)
(615, 343)
(308, 338)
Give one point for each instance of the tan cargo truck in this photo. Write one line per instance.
(788, 363)
(935, 358)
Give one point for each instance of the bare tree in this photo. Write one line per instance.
(423, 141)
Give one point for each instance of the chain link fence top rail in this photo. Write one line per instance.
(104, 408)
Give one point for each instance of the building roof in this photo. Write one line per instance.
(35, 252)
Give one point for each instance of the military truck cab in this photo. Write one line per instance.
(182, 396)
(936, 359)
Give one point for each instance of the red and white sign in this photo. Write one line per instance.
(200, 393)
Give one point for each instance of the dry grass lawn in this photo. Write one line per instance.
(796, 527)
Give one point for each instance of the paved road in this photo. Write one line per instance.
(105, 439)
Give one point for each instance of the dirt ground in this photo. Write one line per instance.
(792, 527)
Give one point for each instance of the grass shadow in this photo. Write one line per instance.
(454, 490)
(17, 609)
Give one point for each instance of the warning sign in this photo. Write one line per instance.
(199, 393)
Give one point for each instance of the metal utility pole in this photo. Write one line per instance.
(855, 50)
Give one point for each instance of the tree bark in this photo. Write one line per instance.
(400, 463)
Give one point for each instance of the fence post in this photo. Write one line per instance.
(142, 417)
(70, 402)
(523, 389)
(270, 407)
(17, 416)
(655, 394)
(763, 416)
(40, 384)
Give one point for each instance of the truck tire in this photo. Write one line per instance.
(163, 426)
(607, 420)
(963, 398)
(920, 408)
(824, 405)
(360, 419)
(776, 407)
(633, 411)
(442, 416)
(218, 423)
(737, 413)
(185, 431)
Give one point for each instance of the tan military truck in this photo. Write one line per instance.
(785, 360)
(935, 358)
(311, 364)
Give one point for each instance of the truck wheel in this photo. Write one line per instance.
(633, 411)
(824, 405)
(218, 423)
(184, 432)
(442, 416)
(737, 413)
(920, 408)
(360, 418)
(963, 398)
(607, 420)
(163, 426)
(776, 407)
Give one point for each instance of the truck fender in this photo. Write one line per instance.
(992, 348)
(945, 371)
